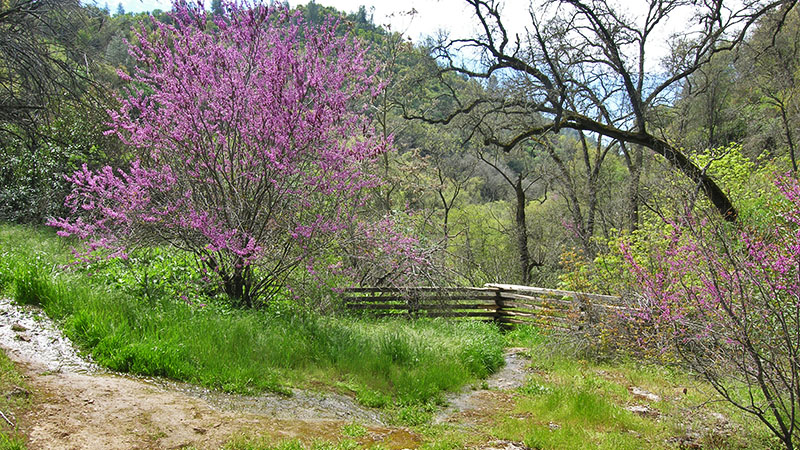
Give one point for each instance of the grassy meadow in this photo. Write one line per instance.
(569, 401)
(383, 363)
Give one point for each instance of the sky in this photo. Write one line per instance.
(431, 15)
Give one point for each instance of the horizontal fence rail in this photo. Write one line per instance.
(505, 304)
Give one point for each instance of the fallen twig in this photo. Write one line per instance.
(6, 419)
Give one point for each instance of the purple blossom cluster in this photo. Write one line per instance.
(252, 146)
(727, 300)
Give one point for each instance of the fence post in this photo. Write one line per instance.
(588, 318)
(498, 301)
(412, 302)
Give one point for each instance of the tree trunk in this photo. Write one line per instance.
(586, 238)
(237, 287)
(635, 169)
(522, 233)
(789, 138)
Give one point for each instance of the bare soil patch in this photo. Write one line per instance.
(79, 406)
(474, 406)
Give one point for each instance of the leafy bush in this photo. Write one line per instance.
(726, 300)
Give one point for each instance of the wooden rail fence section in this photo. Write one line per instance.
(505, 304)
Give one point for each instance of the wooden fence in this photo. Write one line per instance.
(505, 304)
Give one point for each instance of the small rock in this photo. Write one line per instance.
(18, 328)
(642, 410)
(690, 440)
(718, 417)
(645, 395)
(199, 430)
(17, 392)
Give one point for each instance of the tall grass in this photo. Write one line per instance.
(382, 362)
(15, 401)
(575, 402)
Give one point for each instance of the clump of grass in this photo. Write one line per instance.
(385, 362)
(250, 443)
(580, 403)
(15, 400)
(12, 442)
(354, 430)
(414, 415)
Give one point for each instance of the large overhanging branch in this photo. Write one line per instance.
(584, 68)
(575, 121)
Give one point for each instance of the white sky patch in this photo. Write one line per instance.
(134, 5)
(431, 16)
(455, 17)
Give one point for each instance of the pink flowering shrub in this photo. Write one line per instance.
(727, 300)
(379, 254)
(251, 146)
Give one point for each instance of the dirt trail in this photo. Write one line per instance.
(80, 406)
(470, 407)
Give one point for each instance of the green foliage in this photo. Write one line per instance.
(10, 380)
(32, 168)
(388, 362)
(354, 430)
(414, 415)
(154, 274)
(481, 247)
(11, 442)
(372, 399)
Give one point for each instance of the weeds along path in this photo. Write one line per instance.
(470, 407)
(78, 405)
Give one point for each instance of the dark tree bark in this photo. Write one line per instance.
(521, 229)
(519, 183)
(634, 158)
(579, 59)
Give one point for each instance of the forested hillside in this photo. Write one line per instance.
(256, 161)
(488, 185)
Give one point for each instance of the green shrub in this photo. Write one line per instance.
(128, 329)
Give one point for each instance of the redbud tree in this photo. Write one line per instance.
(250, 142)
(728, 301)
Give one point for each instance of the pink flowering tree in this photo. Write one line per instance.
(727, 300)
(251, 146)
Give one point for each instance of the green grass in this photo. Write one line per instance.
(382, 363)
(571, 402)
(249, 443)
(11, 381)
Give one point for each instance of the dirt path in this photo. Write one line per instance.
(78, 405)
(472, 407)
